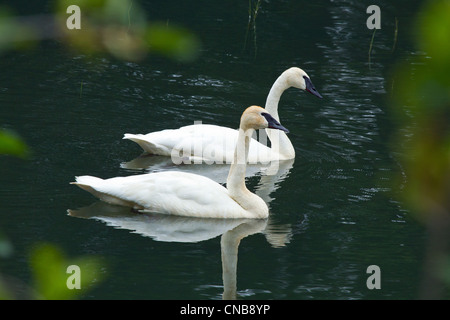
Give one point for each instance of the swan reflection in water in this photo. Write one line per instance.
(171, 228)
(271, 176)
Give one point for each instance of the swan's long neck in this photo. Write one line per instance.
(279, 139)
(236, 179)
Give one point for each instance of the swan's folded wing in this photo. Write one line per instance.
(209, 143)
(196, 142)
(167, 192)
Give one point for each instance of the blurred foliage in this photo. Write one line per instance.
(50, 275)
(115, 27)
(422, 105)
(13, 33)
(445, 270)
(120, 28)
(48, 263)
(5, 247)
(12, 144)
(6, 250)
(49, 266)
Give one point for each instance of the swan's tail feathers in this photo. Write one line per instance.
(150, 146)
(102, 190)
(88, 183)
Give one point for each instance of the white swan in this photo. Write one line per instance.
(189, 194)
(215, 144)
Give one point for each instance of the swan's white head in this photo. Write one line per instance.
(255, 117)
(297, 78)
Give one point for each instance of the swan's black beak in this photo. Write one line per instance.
(273, 124)
(310, 87)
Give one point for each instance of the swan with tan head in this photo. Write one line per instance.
(188, 194)
(213, 143)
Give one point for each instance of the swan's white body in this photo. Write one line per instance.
(188, 194)
(215, 144)
(168, 192)
(202, 142)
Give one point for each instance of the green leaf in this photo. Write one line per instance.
(51, 273)
(12, 144)
(174, 42)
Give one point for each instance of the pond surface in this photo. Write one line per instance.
(334, 210)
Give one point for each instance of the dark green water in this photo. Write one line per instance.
(334, 212)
